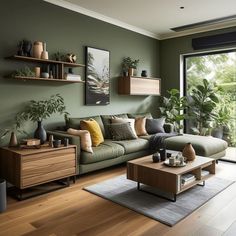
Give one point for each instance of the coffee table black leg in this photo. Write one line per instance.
(169, 199)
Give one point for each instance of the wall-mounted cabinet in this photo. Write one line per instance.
(139, 86)
(59, 65)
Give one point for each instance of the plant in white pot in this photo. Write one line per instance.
(129, 65)
(37, 111)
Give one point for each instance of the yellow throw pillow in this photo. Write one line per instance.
(85, 139)
(94, 129)
(140, 123)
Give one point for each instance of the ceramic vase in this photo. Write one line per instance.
(189, 152)
(131, 71)
(156, 157)
(13, 140)
(44, 54)
(37, 49)
(40, 133)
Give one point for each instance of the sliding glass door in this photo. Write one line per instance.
(219, 69)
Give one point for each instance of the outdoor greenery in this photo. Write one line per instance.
(172, 108)
(220, 71)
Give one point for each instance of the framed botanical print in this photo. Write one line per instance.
(97, 86)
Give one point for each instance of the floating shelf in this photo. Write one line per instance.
(47, 79)
(33, 60)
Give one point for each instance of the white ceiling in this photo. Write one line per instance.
(155, 17)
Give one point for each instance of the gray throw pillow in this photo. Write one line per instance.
(121, 131)
(154, 126)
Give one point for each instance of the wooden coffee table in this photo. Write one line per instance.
(168, 179)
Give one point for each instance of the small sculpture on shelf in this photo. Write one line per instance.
(24, 48)
(70, 57)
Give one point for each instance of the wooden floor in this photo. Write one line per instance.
(72, 211)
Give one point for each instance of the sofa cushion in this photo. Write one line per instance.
(154, 126)
(122, 131)
(106, 150)
(140, 126)
(106, 119)
(145, 114)
(203, 145)
(85, 139)
(115, 120)
(94, 129)
(134, 145)
(75, 122)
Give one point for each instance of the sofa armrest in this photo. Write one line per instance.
(75, 140)
(169, 128)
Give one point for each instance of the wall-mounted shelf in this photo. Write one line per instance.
(58, 66)
(47, 79)
(34, 60)
(139, 86)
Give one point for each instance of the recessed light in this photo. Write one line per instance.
(181, 7)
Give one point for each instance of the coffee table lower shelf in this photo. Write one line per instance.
(174, 195)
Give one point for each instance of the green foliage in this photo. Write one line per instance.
(24, 72)
(128, 62)
(58, 56)
(40, 110)
(172, 108)
(202, 107)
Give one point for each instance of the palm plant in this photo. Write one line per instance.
(172, 108)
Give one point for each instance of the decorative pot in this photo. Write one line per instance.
(189, 152)
(144, 73)
(131, 71)
(37, 49)
(40, 133)
(27, 46)
(44, 54)
(162, 152)
(156, 157)
(13, 140)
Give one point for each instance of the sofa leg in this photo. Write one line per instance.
(74, 179)
(217, 161)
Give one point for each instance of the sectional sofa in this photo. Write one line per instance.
(112, 152)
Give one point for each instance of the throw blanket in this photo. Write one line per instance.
(157, 141)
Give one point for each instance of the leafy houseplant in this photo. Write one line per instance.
(202, 107)
(172, 108)
(129, 65)
(37, 111)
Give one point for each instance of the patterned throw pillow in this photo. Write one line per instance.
(94, 129)
(154, 126)
(140, 123)
(121, 131)
(85, 139)
(115, 120)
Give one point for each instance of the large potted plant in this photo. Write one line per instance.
(37, 111)
(172, 108)
(202, 107)
(129, 65)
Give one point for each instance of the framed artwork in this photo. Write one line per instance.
(97, 86)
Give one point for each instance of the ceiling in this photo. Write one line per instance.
(154, 18)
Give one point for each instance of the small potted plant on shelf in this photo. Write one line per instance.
(37, 111)
(129, 65)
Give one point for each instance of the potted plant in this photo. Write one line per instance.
(202, 107)
(37, 111)
(129, 65)
(172, 108)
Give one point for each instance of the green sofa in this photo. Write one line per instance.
(115, 152)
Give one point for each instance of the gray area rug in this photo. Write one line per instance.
(124, 192)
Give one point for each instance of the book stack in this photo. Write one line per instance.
(205, 173)
(187, 178)
(74, 77)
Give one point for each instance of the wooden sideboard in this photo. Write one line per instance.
(25, 168)
(139, 86)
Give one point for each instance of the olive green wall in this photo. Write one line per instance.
(67, 31)
(170, 52)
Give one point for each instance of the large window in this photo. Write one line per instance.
(219, 68)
